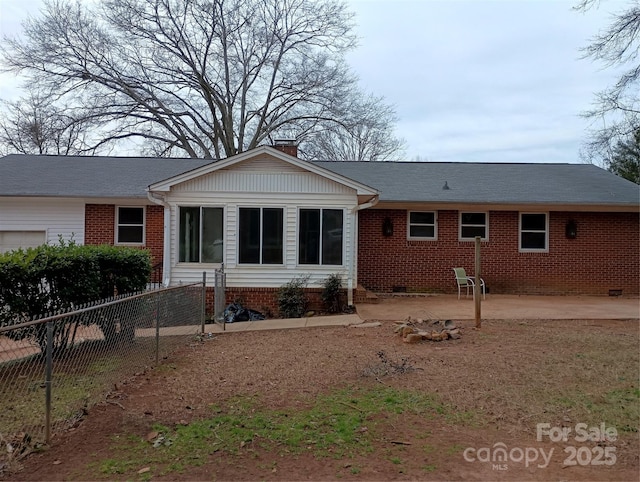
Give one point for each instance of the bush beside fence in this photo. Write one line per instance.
(52, 278)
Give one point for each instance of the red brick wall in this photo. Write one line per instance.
(100, 225)
(605, 255)
(154, 232)
(264, 299)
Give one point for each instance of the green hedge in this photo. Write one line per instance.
(48, 279)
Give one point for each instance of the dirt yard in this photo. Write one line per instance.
(228, 408)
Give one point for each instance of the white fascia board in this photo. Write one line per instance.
(165, 186)
(531, 206)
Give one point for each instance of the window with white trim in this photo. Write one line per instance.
(422, 225)
(320, 236)
(472, 225)
(200, 234)
(130, 225)
(534, 232)
(260, 235)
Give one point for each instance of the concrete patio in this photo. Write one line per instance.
(442, 307)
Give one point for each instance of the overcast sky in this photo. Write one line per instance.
(488, 81)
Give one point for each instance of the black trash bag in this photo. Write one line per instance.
(230, 313)
(242, 315)
(236, 312)
(254, 315)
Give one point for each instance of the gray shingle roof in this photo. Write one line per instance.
(486, 183)
(491, 183)
(85, 176)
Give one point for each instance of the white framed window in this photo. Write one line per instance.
(320, 236)
(534, 232)
(201, 232)
(260, 235)
(473, 224)
(422, 225)
(130, 221)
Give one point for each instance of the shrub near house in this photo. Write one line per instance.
(49, 279)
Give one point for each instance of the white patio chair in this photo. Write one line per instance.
(464, 281)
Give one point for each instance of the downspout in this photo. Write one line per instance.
(159, 199)
(354, 248)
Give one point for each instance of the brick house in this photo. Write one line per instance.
(545, 228)
(268, 217)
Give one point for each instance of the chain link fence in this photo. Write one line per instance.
(52, 369)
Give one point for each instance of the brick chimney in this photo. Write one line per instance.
(288, 146)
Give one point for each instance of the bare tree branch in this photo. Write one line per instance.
(615, 114)
(33, 125)
(209, 77)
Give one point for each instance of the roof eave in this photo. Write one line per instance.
(512, 206)
(167, 184)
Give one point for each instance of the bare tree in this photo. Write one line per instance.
(364, 133)
(34, 125)
(207, 77)
(625, 158)
(616, 110)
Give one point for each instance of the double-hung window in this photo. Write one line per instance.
(423, 225)
(201, 234)
(472, 225)
(260, 235)
(320, 236)
(129, 225)
(534, 232)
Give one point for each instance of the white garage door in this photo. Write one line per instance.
(10, 240)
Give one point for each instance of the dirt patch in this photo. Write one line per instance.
(494, 386)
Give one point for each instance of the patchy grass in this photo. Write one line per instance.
(81, 377)
(553, 374)
(342, 424)
(282, 411)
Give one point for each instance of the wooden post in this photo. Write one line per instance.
(477, 292)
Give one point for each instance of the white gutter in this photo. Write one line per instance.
(353, 266)
(166, 242)
(369, 204)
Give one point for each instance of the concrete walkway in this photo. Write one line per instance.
(442, 307)
(283, 324)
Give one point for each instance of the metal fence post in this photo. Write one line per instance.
(219, 296)
(158, 329)
(176, 310)
(204, 301)
(47, 381)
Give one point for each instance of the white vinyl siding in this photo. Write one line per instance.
(269, 190)
(12, 240)
(59, 218)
